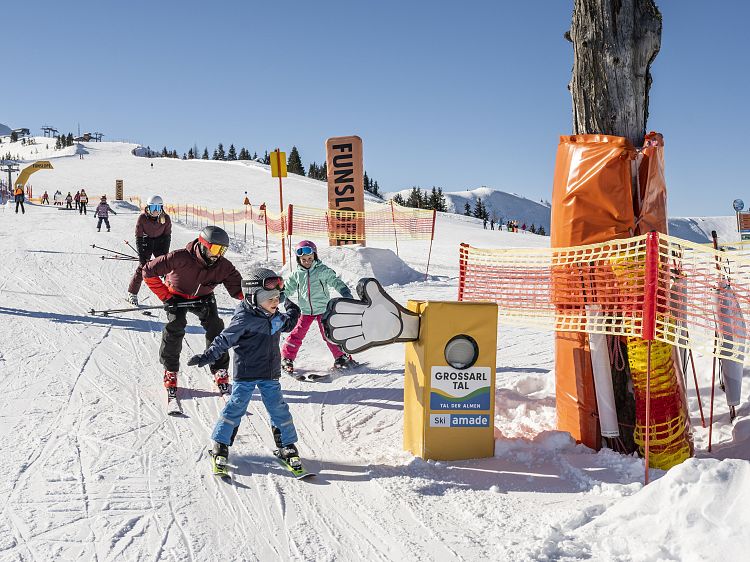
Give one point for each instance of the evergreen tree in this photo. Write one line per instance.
(479, 210)
(294, 163)
(375, 189)
(58, 144)
(398, 200)
(467, 209)
(190, 154)
(184, 156)
(442, 203)
(70, 139)
(266, 159)
(205, 154)
(541, 232)
(532, 229)
(255, 155)
(13, 136)
(232, 154)
(415, 198)
(164, 152)
(220, 155)
(215, 155)
(244, 154)
(366, 181)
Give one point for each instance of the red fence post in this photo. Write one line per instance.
(463, 250)
(649, 326)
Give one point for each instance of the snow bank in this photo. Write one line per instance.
(354, 262)
(693, 512)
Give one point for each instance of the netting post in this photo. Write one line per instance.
(393, 220)
(290, 227)
(265, 219)
(432, 237)
(649, 326)
(463, 250)
(245, 223)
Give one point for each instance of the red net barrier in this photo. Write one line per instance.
(702, 296)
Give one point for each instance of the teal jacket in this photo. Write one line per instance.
(310, 288)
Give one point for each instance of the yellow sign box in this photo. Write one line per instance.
(448, 405)
(278, 164)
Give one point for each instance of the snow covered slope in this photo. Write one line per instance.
(93, 469)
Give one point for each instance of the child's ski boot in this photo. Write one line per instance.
(219, 455)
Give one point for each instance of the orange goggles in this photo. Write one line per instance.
(213, 249)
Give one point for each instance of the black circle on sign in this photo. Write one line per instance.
(462, 345)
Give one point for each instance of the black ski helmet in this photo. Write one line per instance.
(210, 236)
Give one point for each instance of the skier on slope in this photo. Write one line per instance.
(69, 201)
(254, 334)
(83, 200)
(309, 285)
(153, 234)
(102, 213)
(190, 276)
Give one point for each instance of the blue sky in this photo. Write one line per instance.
(454, 94)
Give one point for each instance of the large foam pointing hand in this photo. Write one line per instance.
(376, 319)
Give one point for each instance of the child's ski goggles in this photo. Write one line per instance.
(213, 249)
(304, 251)
(154, 208)
(268, 284)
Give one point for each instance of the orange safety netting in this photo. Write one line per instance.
(699, 296)
(381, 222)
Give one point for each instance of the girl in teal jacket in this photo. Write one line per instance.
(309, 286)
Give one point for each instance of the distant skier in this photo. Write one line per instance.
(19, 197)
(309, 285)
(254, 333)
(45, 198)
(69, 201)
(57, 198)
(83, 200)
(153, 234)
(77, 199)
(102, 213)
(190, 276)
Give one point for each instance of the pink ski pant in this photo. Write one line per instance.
(294, 340)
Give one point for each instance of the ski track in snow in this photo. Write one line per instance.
(98, 471)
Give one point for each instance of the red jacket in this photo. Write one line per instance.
(188, 275)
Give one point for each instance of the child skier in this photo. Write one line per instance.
(153, 234)
(254, 333)
(102, 213)
(309, 284)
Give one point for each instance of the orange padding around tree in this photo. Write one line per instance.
(591, 202)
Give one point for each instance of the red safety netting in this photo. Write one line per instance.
(678, 292)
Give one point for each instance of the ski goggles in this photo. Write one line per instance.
(304, 251)
(213, 249)
(154, 208)
(268, 284)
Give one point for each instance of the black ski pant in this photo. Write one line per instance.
(82, 209)
(22, 209)
(174, 333)
(147, 247)
(99, 224)
(69, 205)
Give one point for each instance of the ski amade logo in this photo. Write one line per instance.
(452, 389)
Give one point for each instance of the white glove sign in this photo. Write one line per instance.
(376, 319)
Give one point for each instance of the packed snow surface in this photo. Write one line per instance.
(93, 469)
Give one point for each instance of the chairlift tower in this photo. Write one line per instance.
(9, 166)
(49, 131)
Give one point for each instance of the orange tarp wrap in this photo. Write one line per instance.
(591, 202)
(652, 203)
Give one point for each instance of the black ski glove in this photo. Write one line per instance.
(199, 360)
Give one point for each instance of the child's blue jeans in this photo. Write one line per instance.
(242, 391)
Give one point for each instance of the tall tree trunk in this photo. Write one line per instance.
(614, 44)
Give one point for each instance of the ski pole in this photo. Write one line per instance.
(113, 251)
(131, 247)
(142, 308)
(120, 258)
